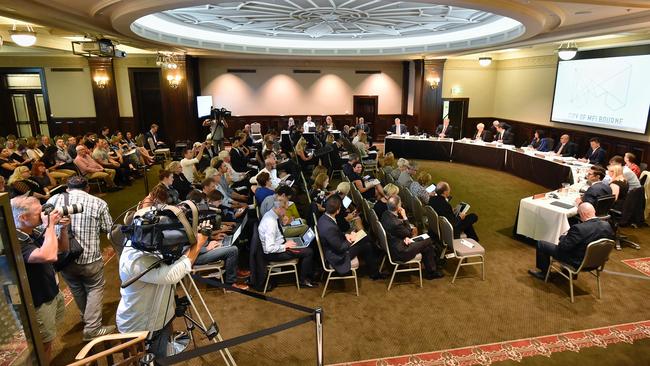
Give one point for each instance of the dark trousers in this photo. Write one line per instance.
(545, 250)
(466, 226)
(160, 342)
(366, 250)
(305, 256)
(410, 251)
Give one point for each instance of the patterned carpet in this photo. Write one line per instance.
(640, 264)
(517, 350)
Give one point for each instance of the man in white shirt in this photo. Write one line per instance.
(308, 124)
(270, 168)
(148, 304)
(398, 128)
(189, 162)
(277, 249)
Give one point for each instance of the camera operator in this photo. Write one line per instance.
(39, 249)
(85, 275)
(148, 304)
(217, 127)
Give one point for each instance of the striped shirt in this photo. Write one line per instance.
(87, 225)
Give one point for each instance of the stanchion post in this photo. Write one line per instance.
(146, 181)
(318, 318)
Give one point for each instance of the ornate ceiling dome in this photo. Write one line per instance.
(328, 27)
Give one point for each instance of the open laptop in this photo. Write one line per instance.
(231, 239)
(304, 240)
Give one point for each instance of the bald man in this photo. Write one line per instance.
(572, 246)
(566, 147)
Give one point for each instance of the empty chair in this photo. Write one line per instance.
(596, 255)
(462, 251)
(331, 272)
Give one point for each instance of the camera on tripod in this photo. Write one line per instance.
(72, 209)
(219, 113)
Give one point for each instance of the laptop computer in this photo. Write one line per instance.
(231, 239)
(304, 240)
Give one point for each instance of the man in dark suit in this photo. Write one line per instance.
(401, 246)
(462, 223)
(596, 155)
(338, 247)
(445, 130)
(504, 136)
(348, 168)
(572, 246)
(238, 159)
(566, 147)
(597, 188)
(151, 137)
(398, 128)
(362, 125)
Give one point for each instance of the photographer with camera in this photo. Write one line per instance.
(89, 217)
(217, 126)
(40, 249)
(148, 303)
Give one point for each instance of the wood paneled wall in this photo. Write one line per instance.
(83, 125)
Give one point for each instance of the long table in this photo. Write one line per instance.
(544, 170)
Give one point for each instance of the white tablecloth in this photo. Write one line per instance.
(540, 220)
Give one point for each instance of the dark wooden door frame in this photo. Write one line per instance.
(141, 125)
(465, 116)
(375, 98)
(5, 94)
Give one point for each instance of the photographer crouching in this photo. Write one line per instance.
(148, 304)
(36, 232)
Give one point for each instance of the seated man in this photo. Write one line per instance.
(595, 155)
(277, 249)
(338, 247)
(101, 155)
(482, 134)
(151, 137)
(572, 246)
(92, 170)
(597, 188)
(445, 130)
(283, 193)
(398, 128)
(566, 147)
(504, 136)
(402, 247)
(462, 223)
(348, 168)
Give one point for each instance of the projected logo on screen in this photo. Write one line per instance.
(610, 89)
(603, 92)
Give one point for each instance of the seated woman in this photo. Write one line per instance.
(22, 182)
(41, 175)
(304, 159)
(348, 218)
(419, 187)
(7, 164)
(539, 142)
(362, 145)
(159, 195)
(317, 171)
(618, 185)
(33, 152)
(382, 204)
(367, 189)
(144, 155)
(319, 194)
(263, 187)
(181, 184)
(388, 162)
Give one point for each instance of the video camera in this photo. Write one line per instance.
(164, 229)
(218, 114)
(72, 209)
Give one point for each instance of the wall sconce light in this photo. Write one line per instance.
(567, 50)
(485, 61)
(101, 81)
(433, 82)
(174, 81)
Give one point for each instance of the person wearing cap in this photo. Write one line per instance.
(85, 275)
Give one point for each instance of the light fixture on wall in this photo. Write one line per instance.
(24, 38)
(568, 50)
(485, 61)
(174, 80)
(433, 81)
(101, 81)
(167, 60)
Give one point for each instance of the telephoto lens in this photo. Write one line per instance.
(72, 209)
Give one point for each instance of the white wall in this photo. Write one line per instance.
(275, 90)
(472, 81)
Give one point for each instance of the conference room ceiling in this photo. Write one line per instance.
(328, 29)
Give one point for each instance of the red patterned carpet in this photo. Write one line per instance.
(517, 350)
(640, 264)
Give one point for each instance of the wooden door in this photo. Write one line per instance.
(366, 106)
(146, 97)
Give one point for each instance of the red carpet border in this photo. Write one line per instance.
(640, 264)
(9, 353)
(517, 350)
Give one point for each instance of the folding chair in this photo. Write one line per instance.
(412, 265)
(462, 251)
(331, 272)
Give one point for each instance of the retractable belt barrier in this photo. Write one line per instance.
(315, 315)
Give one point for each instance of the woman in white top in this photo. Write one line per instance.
(33, 152)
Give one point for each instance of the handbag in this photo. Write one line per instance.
(74, 247)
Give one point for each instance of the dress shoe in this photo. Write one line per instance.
(537, 274)
(308, 284)
(433, 275)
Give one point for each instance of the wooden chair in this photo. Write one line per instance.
(119, 349)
